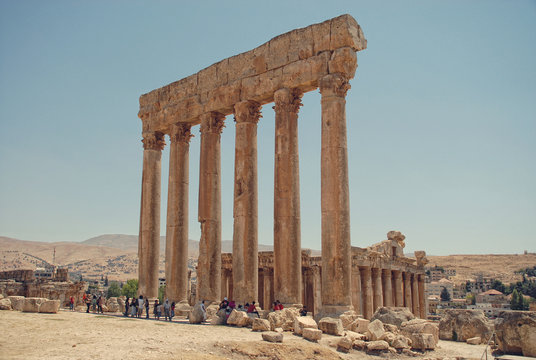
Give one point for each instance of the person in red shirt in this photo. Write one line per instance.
(252, 309)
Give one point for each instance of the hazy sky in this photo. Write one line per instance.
(441, 117)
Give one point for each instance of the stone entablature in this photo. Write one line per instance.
(294, 60)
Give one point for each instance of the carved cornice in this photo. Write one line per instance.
(153, 141)
(287, 101)
(181, 132)
(212, 122)
(334, 85)
(247, 111)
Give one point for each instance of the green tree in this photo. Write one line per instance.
(498, 285)
(445, 296)
(130, 289)
(471, 298)
(113, 290)
(161, 293)
(517, 301)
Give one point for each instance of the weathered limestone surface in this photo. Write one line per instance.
(303, 322)
(387, 288)
(287, 232)
(461, 324)
(399, 289)
(272, 336)
(49, 306)
(366, 285)
(260, 325)
(32, 304)
(177, 214)
(296, 59)
(5, 304)
(209, 214)
(516, 332)
(393, 315)
(17, 302)
(149, 238)
(375, 330)
(331, 326)
(245, 242)
(377, 288)
(312, 334)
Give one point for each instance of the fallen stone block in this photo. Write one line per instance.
(260, 325)
(32, 304)
(474, 340)
(375, 330)
(423, 341)
(377, 345)
(331, 326)
(360, 325)
(5, 304)
(238, 318)
(50, 307)
(344, 344)
(359, 344)
(312, 334)
(302, 322)
(272, 336)
(17, 302)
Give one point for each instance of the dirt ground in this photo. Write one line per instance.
(76, 335)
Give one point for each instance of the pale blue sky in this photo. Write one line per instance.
(441, 117)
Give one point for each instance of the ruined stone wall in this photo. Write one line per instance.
(52, 290)
(17, 275)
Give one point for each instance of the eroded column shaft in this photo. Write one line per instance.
(336, 249)
(245, 231)
(415, 295)
(387, 288)
(422, 298)
(399, 288)
(366, 288)
(407, 291)
(177, 214)
(356, 290)
(287, 233)
(149, 238)
(209, 263)
(377, 288)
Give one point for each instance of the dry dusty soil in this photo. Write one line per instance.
(75, 335)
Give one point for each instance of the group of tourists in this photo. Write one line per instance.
(94, 302)
(134, 308)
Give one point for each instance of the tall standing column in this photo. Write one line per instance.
(149, 238)
(387, 288)
(209, 263)
(422, 298)
(399, 288)
(415, 295)
(287, 233)
(245, 242)
(366, 288)
(336, 248)
(377, 289)
(407, 291)
(177, 214)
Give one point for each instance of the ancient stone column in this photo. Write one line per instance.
(422, 297)
(317, 289)
(399, 288)
(268, 288)
(415, 295)
(245, 242)
(149, 238)
(387, 288)
(336, 248)
(177, 214)
(366, 289)
(224, 283)
(407, 291)
(209, 263)
(356, 290)
(377, 289)
(287, 234)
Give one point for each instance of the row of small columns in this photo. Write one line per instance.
(336, 249)
(374, 287)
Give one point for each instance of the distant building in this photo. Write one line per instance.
(435, 287)
(491, 296)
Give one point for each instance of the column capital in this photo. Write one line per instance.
(334, 85)
(247, 111)
(181, 132)
(153, 141)
(287, 100)
(212, 122)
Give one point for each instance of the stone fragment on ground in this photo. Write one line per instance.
(197, 315)
(348, 318)
(312, 334)
(238, 318)
(260, 325)
(344, 344)
(393, 315)
(50, 306)
(417, 330)
(272, 336)
(462, 324)
(377, 345)
(474, 340)
(5, 304)
(302, 322)
(331, 326)
(354, 335)
(360, 325)
(359, 344)
(375, 330)
(17, 302)
(32, 304)
(516, 332)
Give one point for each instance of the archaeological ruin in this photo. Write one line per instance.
(319, 56)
